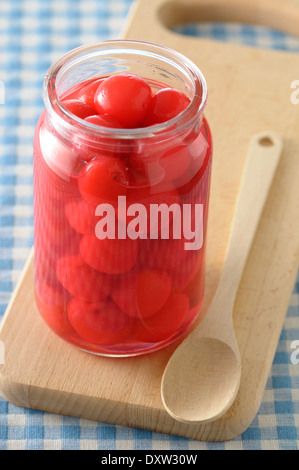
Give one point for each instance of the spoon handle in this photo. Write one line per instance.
(262, 160)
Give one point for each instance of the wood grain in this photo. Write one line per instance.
(249, 92)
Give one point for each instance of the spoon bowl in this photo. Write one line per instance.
(202, 377)
(218, 373)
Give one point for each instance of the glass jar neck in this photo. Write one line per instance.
(154, 63)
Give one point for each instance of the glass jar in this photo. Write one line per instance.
(120, 214)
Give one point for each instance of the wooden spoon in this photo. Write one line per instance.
(202, 377)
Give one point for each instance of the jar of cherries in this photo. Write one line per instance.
(122, 166)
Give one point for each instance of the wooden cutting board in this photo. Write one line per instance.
(249, 92)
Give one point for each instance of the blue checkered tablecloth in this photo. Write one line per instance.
(34, 34)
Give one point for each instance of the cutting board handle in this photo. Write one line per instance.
(282, 15)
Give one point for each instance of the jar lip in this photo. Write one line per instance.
(196, 107)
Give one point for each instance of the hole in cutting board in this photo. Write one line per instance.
(240, 33)
(251, 23)
(266, 141)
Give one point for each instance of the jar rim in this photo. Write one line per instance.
(67, 119)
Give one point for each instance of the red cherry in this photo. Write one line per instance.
(126, 97)
(52, 307)
(47, 210)
(101, 323)
(104, 120)
(200, 166)
(81, 217)
(57, 231)
(50, 250)
(53, 234)
(54, 238)
(145, 165)
(43, 271)
(103, 179)
(95, 146)
(59, 236)
(160, 162)
(165, 254)
(184, 273)
(166, 322)
(88, 148)
(86, 92)
(166, 104)
(80, 108)
(81, 280)
(175, 162)
(141, 292)
(198, 149)
(123, 292)
(152, 291)
(112, 256)
(51, 296)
